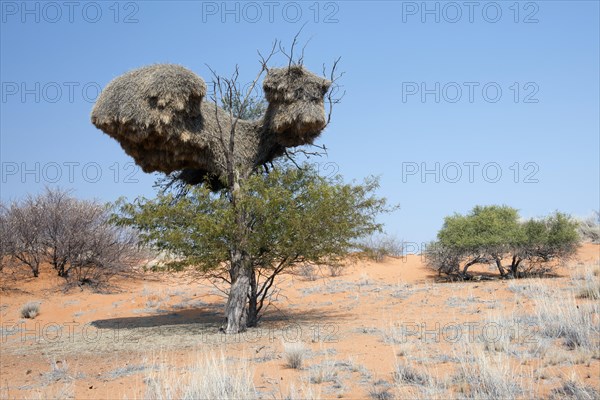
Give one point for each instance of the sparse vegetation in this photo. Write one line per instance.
(381, 390)
(405, 374)
(294, 354)
(575, 390)
(378, 247)
(482, 376)
(589, 228)
(30, 310)
(577, 325)
(324, 372)
(211, 377)
(75, 236)
(308, 272)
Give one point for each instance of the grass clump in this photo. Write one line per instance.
(405, 374)
(30, 310)
(210, 377)
(573, 389)
(294, 354)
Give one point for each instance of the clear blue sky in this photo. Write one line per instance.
(422, 83)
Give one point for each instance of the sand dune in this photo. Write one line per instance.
(357, 329)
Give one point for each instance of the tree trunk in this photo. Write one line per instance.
(253, 302)
(499, 265)
(467, 265)
(236, 309)
(514, 267)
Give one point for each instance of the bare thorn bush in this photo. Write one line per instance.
(75, 236)
(376, 248)
(589, 229)
(308, 272)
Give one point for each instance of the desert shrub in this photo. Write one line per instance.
(335, 269)
(6, 240)
(308, 272)
(294, 354)
(24, 244)
(588, 287)
(493, 234)
(589, 228)
(75, 236)
(376, 248)
(30, 310)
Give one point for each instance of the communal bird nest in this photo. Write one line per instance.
(158, 115)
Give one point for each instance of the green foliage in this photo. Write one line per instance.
(291, 216)
(494, 233)
(253, 109)
(294, 214)
(484, 227)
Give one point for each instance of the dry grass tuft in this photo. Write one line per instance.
(577, 325)
(294, 354)
(210, 377)
(405, 374)
(481, 376)
(30, 310)
(573, 389)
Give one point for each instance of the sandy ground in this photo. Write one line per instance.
(356, 328)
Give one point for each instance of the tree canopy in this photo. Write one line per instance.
(491, 234)
(293, 216)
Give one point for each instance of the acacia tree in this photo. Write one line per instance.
(160, 117)
(492, 234)
(293, 216)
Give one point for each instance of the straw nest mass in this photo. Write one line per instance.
(158, 115)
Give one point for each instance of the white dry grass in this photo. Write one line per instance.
(210, 377)
(577, 325)
(482, 375)
(294, 354)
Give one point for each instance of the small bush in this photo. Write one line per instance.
(378, 247)
(30, 310)
(294, 354)
(325, 372)
(405, 374)
(589, 229)
(483, 377)
(335, 270)
(308, 272)
(380, 390)
(77, 237)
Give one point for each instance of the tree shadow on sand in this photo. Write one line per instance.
(212, 316)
